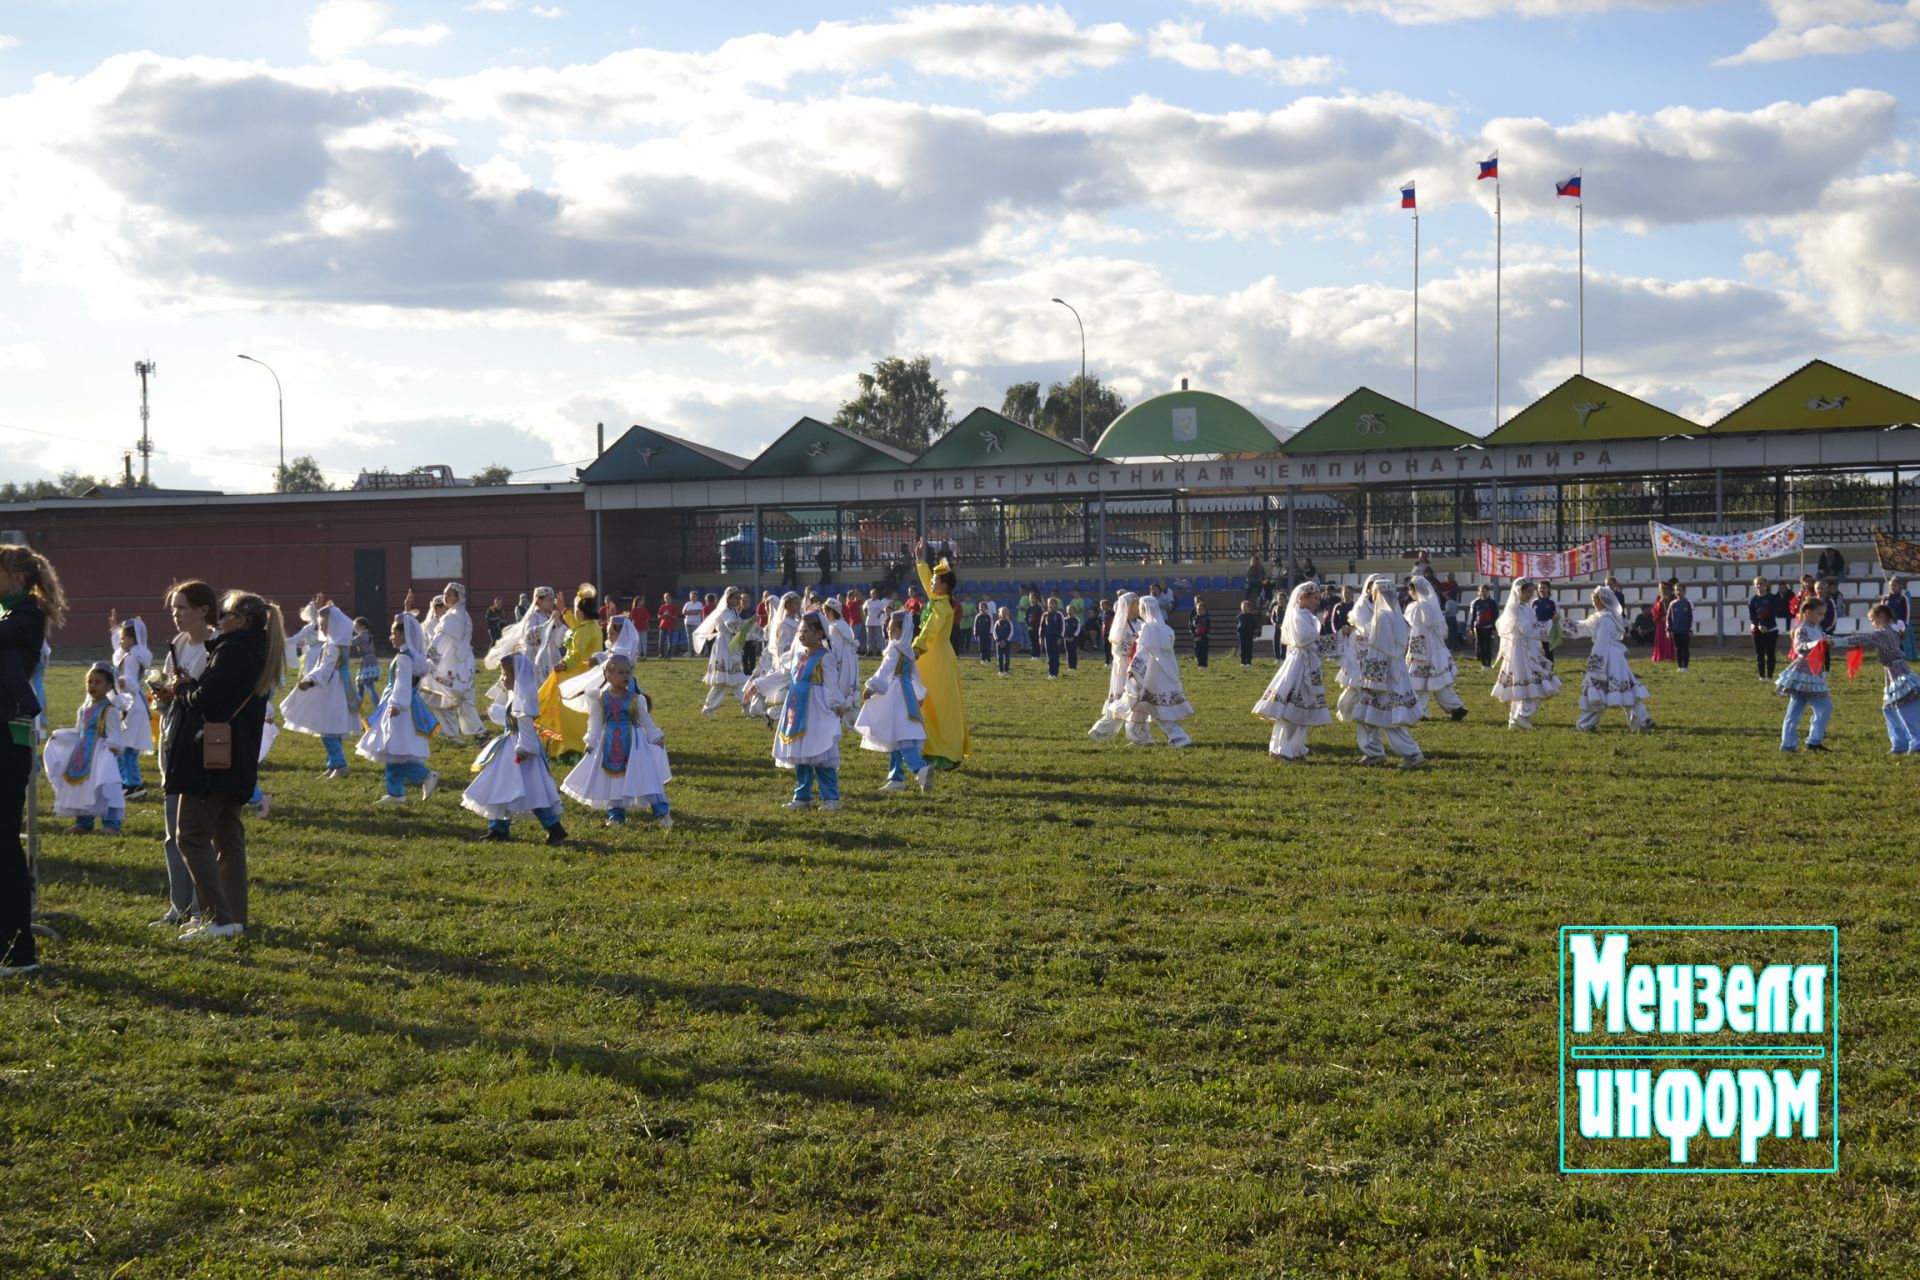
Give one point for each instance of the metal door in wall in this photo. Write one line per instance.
(370, 588)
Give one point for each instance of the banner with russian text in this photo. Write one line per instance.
(1588, 560)
(1774, 542)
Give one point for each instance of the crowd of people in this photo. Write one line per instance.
(566, 690)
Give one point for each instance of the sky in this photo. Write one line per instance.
(465, 234)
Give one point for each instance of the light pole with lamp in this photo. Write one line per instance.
(280, 477)
(1082, 441)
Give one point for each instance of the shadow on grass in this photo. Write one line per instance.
(659, 1074)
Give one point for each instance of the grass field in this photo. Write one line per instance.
(1084, 1011)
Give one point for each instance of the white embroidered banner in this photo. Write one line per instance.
(1770, 543)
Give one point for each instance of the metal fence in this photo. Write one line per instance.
(1327, 527)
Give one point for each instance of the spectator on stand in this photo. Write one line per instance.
(823, 561)
(1256, 578)
(1831, 564)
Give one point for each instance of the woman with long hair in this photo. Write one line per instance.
(195, 609)
(244, 662)
(31, 604)
(1663, 647)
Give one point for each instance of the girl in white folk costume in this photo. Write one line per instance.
(1610, 680)
(806, 737)
(1120, 638)
(1524, 677)
(82, 763)
(1349, 646)
(130, 659)
(511, 771)
(1381, 703)
(1154, 693)
(845, 647)
(625, 762)
(761, 692)
(1429, 661)
(402, 724)
(889, 718)
(724, 632)
(1296, 698)
(453, 668)
(320, 703)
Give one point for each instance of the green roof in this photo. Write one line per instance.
(811, 447)
(1582, 409)
(987, 439)
(1186, 423)
(645, 454)
(1367, 420)
(1817, 397)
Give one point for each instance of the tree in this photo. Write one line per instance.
(900, 403)
(302, 475)
(1022, 402)
(1060, 415)
(492, 474)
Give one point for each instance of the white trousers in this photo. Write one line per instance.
(716, 694)
(1522, 710)
(1637, 716)
(1288, 741)
(1448, 698)
(1140, 731)
(1105, 727)
(1374, 740)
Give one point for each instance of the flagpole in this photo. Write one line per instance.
(1496, 302)
(1580, 210)
(1416, 308)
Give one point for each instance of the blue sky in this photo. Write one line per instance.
(466, 233)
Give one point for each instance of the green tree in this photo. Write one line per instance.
(900, 403)
(302, 475)
(1060, 415)
(1022, 402)
(492, 474)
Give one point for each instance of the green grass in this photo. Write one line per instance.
(1084, 1011)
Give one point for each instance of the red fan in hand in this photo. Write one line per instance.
(1853, 662)
(1817, 658)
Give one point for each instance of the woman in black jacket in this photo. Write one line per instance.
(244, 663)
(30, 603)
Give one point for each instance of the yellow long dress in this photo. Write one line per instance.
(945, 715)
(567, 726)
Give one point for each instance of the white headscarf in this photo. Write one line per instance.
(1119, 633)
(1609, 599)
(710, 625)
(1154, 631)
(339, 627)
(1510, 621)
(139, 651)
(1299, 628)
(416, 640)
(525, 698)
(1423, 611)
(627, 642)
(1360, 618)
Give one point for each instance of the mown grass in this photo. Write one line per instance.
(1085, 1011)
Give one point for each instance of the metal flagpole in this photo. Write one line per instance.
(1580, 212)
(1416, 310)
(1496, 302)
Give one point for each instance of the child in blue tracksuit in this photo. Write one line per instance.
(983, 631)
(1680, 626)
(1053, 630)
(1003, 639)
(1073, 628)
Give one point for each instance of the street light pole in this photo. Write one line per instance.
(1082, 441)
(280, 478)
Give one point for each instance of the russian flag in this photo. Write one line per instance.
(1571, 187)
(1490, 167)
(1406, 197)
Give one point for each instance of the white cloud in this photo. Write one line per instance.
(9, 42)
(339, 27)
(1416, 12)
(1184, 43)
(1805, 28)
(547, 11)
(493, 6)
(1686, 164)
(1858, 247)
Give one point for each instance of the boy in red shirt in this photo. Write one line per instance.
(640, 618)
(668, 616)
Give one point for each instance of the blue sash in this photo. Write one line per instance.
(793, 720)
(903, 674)
(619, 733)
(80, 763)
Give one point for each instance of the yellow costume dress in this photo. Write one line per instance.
(565, 729)
(942, 711)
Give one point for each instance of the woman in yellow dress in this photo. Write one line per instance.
(564, 728)
(945, 716)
